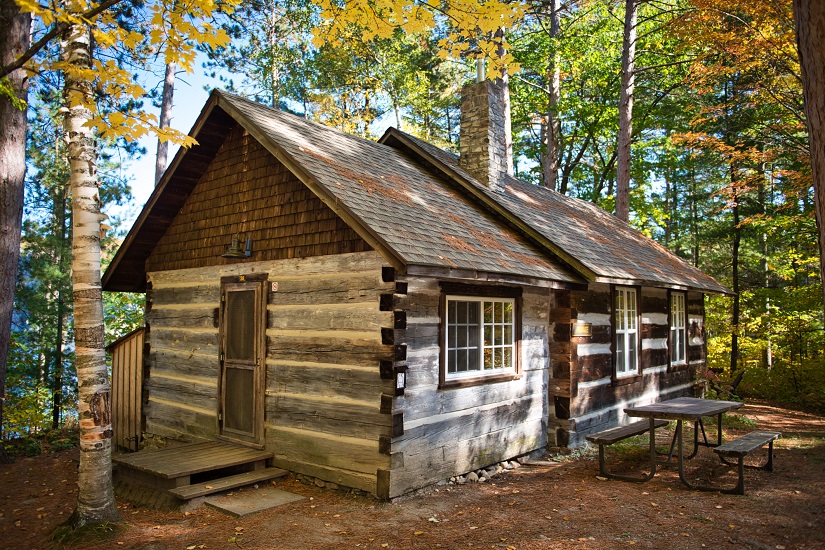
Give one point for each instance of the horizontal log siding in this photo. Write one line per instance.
(323, 391)
(453, 431)
(596, 402)
(245, 189)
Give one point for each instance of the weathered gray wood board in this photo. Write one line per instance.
(324, 344)
(127, 390)
(451, 431)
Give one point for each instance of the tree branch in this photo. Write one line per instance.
(54, 32)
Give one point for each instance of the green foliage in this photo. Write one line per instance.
(26, 407)
(123, 313)
(6, 90)
(798, 384)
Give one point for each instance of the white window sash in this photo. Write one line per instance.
(493, 347)
(627, 348)
(678, 326)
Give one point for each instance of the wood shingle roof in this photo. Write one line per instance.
(411, 202)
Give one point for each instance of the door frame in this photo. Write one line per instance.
(258, 282)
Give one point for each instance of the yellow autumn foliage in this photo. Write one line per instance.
(172, 30)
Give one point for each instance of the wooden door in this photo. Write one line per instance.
(242, 353)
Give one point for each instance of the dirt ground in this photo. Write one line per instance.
(553, 503)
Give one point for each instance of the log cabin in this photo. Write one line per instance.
(385, 315)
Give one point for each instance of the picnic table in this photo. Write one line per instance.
(694, 410)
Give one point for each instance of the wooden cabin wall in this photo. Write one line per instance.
(596, 401)
(448, 432)
(324, 347)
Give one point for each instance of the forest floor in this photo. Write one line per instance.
(556, 502)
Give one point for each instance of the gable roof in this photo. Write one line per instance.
(407, 211)
(595, 243)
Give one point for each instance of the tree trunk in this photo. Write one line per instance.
(165, 119)
(626, 111)
(95, 499)
(553, 132)
(809, 16)
(737, 240)
(57, 352)
(694, 220)
(14, 40)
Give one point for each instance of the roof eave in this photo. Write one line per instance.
(107, 281)
(720, 290)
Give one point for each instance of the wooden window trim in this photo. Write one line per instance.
(478, 291)
(637, 376)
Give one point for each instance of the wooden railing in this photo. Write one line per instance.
(127, 389)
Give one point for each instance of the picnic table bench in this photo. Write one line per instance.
(608, 437)
(687, 409)
(743, 446)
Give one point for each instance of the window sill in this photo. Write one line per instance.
(478, 381)
(625, 380)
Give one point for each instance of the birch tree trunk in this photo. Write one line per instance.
(95, 499)
(165, 119)
(626, 111)
(809, 16)
(14, 39)
(553, 132)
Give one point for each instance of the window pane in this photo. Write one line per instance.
(473, 359)
(451, 312)
(488, 312)
(462, 360)
(473, 340)
(237, 401)
(240, 325)
(452, 361)
(508, 334)
(488, 358)
(508, 357)
(508, 312)
(473, 312)
(499, 313)
(488, 335)
(461, 338)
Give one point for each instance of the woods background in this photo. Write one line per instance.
(719, 163)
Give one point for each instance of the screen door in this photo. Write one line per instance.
(242, 360)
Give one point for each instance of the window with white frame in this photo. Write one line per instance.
(480, 337)
(627, 332)
(678, 328)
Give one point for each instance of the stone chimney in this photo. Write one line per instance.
(486, 142)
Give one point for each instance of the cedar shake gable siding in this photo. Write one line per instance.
(245, 189)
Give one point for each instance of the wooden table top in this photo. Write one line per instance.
(683, 408)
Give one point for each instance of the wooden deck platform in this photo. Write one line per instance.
(196, 469)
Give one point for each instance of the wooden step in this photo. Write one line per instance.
(188, 492)
(194, 458)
